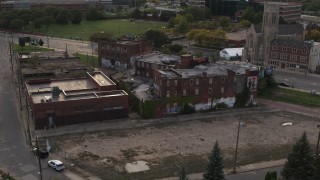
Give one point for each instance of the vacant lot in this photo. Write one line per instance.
(115, 27)
(166, 147)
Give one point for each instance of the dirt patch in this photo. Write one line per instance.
(168, 147)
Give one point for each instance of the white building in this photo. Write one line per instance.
(231, 53)
(314, 59)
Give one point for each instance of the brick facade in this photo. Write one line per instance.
(94, 98)
(290, 55)
(204, 86)
(119, 54)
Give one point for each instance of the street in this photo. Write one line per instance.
(299, 81)
(15, 155)
(259, 174)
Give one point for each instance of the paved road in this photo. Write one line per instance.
(254, 175)
(15, 156)
(300, 81)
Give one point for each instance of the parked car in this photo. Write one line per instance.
(56, 164)
(284, 84)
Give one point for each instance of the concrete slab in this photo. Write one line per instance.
(28, 167)
(137, 166)
(29, 177)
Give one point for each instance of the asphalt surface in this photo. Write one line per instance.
(15, 155)
(254, 175)
(305, 82)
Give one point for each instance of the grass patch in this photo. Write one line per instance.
(87, 59)
(29, 48)
(117, 27)
(292, 96)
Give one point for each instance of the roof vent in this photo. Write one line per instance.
(55, 92)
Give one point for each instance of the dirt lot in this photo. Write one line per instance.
(166, 147)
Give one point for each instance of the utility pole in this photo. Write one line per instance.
(235, 157)
(39, 162)
(11, 54)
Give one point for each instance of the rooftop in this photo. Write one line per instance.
(158, 58)
(46, 96)
(218, 69)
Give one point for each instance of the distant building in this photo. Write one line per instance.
(71, 101)
(289, 11)
(314, 58)
(197, 3)
(231, 53)
(223, 7)
(148, 63)
(259, 37)
(120, 54)
(82, 5)
(113, 4)
(203, 87)
(290, 55)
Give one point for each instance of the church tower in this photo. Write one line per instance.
(270, 26)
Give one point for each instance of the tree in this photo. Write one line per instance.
(37, 23)
(183, 175)
(22, 42)
(316, 174)
(76, 16)
(47, 21)
(157, 37)
(94, 14)
(225, 22)
(271, 176)
(136, 13)
(17, 24)
(299, 165)
(63, 16)
(175, 48)
(41, 42)
(214, 169)
(244, 24)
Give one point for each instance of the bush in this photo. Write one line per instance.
(187, 109)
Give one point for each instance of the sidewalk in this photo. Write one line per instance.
(240, 169)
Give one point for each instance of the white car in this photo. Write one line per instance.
(56, 164)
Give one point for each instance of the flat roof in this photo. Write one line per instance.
(158, 58)
(101, 78)
(66, 85)
(44, 97)
(218, 69)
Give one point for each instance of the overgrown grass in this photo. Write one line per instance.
(87, 59)
(292, 96)
(116, 27)
(28, 49)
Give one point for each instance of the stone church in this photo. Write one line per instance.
(259, 37)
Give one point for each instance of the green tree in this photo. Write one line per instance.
(37, 23)
(225, 22)
(316, 174)
(183, 175)
(175, 48)
(271, 176)
(76, 16)
(136, 13)
(63, 16)
(299, 165)
(214, 169)
(21, 42)
(48, 21)
(41, 42)
(158, 38)
(17, 24)
(244, 24)
(94, 14)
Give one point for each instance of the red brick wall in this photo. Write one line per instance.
(67, 109)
